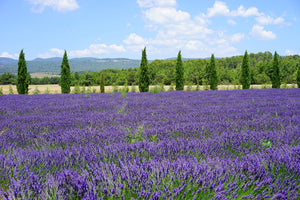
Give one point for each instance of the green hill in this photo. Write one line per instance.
(52, 65)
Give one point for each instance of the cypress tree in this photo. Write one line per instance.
(213, 78)
(102, 83)
(298, 75)
(23, 76)
(144, 80)
(65, 79)
(179, 73)
(246, 75)
(276, 82)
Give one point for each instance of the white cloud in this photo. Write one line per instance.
(58, 5)
(219, 9)
(231, 22)
(93, 50)
(237, 38)
(267, 20)
(8, 55)
(156, 3)
(242, 12)
(159, 15)
(135, 39)
(259, 33)
(54, 52)
(290, 52)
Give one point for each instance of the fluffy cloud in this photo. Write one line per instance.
(93, 50)
(156, 3)
(218, 9)
(162, 15)
(134, 39)
(58, 5)
(54, 52)
(178, 30)
(242, 12)
(237, 38)
(259, 33)
(8, 55)
(266, 20)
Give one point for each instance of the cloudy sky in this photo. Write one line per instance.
(121, 28)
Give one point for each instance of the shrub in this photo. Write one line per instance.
(47, 91)
(36, 90)
(11, 91)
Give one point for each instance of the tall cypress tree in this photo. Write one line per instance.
(213, 77)
(276, 82)
(65, 79)
(246, 75)
(144, 80)
(102, 83)
(23, 76)
(298, 75)
(179, 73)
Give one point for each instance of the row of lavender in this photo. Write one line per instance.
(171, 145)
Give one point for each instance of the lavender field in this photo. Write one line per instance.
(239, 144)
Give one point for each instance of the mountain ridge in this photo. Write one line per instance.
(52, 65)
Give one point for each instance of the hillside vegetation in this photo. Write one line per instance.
(86, 71)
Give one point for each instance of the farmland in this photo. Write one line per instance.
(230, 144)
(55, 89)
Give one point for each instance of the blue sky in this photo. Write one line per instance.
(118, 28)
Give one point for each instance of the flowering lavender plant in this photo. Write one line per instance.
(184, 145)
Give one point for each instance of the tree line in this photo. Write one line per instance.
(245, 70)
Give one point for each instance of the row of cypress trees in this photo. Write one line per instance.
(65, 79)
(144, 80)
(246, 74)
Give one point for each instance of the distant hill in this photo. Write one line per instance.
(52, 65)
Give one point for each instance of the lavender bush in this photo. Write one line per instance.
(169, 145)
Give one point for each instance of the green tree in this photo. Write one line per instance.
(246, 75)
(213, 77)
(276, 82)
(298, 75)
(144, 80)
(23, 75)
(65, 79)
(179, 79)
(102, 83)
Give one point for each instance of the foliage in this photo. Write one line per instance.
(76, 89)
(179, 73)
(276, 76)
(298, 75)
(36, 90)
(155, 89)
(171, 87)
(65, 79)
(10, 89)
(47, 91)
(246, 75)
(102, 83)
(163, 71)
(144, 80)
(45, 80)
(7, 79)
(1, 91)
(213, 78)
(138, 136)
(23, 76)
